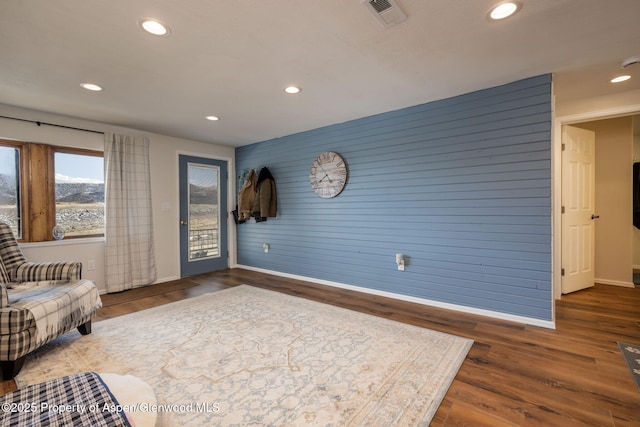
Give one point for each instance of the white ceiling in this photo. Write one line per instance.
(232, 58)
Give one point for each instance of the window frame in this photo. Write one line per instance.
(37, 202)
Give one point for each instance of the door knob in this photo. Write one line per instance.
(595, 216)
(183, 222)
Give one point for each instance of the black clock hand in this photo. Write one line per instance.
(325, 173)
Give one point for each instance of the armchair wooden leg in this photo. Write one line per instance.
(10, 368)
(85, 328)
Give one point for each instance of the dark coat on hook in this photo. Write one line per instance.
(265, 203)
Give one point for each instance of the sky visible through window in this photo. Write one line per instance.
(74, 168)
(8, 161)
(203, 175)
(69, 167)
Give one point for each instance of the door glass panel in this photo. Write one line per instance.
(204, 218)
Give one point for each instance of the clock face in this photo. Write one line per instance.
(328, 174)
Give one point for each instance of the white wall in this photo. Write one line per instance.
(164, 187)
(599, 107)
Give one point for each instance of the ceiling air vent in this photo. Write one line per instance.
(387, 12)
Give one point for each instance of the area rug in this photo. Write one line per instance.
(631, 355)
(250, 357)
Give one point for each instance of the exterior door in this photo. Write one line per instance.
(203, 215)
(578, 204)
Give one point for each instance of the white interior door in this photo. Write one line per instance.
(578, 204)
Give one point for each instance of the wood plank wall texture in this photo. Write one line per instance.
(461, 186)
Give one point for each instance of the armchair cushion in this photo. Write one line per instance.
(36, 272)
(54, 306)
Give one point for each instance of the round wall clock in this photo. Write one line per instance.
(328, 174)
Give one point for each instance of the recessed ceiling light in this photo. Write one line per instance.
(213, 118)
(620, 79)
(634, 60)
(504, 10)
(91, 86)
(292, 89)
(154, 27)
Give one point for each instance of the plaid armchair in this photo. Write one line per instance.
(38, 302)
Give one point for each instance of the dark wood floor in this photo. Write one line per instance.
(514, 375)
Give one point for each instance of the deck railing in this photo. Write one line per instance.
(203, 243)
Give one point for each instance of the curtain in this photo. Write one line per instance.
(129, 253)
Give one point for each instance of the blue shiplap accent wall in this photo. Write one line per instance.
(461, 186)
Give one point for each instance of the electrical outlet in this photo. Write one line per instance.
(265, 246)
(91, 265)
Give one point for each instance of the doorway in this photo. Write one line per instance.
(615, 245)
(203, 215)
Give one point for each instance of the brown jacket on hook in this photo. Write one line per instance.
(246, 196)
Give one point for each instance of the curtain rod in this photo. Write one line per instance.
(51, 124)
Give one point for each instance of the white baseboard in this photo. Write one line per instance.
(615, 283)
(461, 308)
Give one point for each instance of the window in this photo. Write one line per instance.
(10, 211)
(79, 182)
(42, 186)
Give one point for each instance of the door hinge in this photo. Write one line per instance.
(563, 147)
(562, 271)
(562, 210)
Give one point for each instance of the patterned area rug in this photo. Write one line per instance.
(247, 356)
(631, 354)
